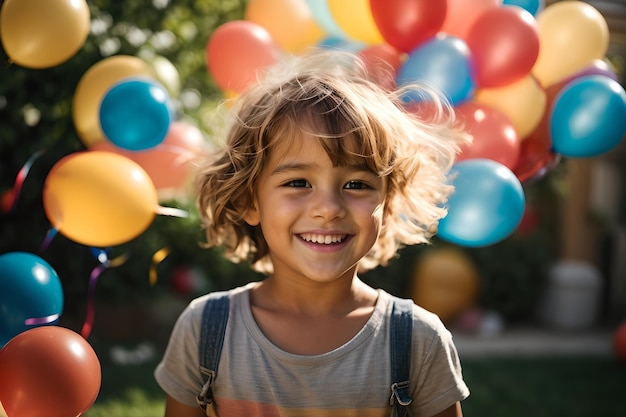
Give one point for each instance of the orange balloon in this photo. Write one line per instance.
(43, 34)
(462, 14)
(382, 62)
(290, 22)
(48, 371)
(171, 164)
(92, 87)
(445, 282)
(238, 52)
(99, 198)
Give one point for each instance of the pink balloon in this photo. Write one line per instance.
(171, 164)
(238, 52)
(494, 136)
(505, 45)
(406, 24)
(462, 14)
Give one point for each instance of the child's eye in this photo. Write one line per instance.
(299, 183)
(356, 185)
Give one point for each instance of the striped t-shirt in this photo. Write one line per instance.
(256, 378)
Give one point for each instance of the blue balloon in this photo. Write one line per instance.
(443, 62)
(487, 204)
(342, 44)
(135, 114)
(30, 294)
(588, 117)
(531, 6)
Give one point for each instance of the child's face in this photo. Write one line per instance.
(318, 220)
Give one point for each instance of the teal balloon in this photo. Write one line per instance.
(444, 62)
(31, 294)
(588, 117)
(135, 114)
(532, 6)
(487, 204)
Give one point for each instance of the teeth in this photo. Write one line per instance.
(325, 239)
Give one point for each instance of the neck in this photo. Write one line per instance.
(311, 298)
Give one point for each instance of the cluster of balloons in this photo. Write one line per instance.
(38, 359)
(529, 82)
(137, 154)
(121, 109)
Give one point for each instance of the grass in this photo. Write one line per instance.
(507, 387)
(545, 387)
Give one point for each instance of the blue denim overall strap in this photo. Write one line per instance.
(212, 331)
(400, 335)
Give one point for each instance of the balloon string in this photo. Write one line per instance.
(14, 194)
(46, 242)
(91, 291)
(89, 318)
(37, 321)
(172, 211)
(157, 258)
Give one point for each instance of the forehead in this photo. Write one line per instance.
(294, 139)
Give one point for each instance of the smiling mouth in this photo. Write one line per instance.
(323, 239)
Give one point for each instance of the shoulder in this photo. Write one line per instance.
(426, 325)
(194, 310)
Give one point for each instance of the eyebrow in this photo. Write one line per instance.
(292, 166)
(297, 166)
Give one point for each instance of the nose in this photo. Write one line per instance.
(327, 204)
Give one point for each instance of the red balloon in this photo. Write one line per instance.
(536, 157)
(382, 62)
(238, 52)
(619, 341)
(48, 371)
(504, 42)
(494, 135)
(406, 24)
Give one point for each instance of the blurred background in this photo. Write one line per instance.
(537, 310)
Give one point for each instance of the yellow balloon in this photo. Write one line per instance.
(290, 22)
(99, 198)
(355, 18)
(445, 282)
(92, 87)
(42, 34)
(523, 102)
(571, 35)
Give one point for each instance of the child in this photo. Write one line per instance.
(324, 174)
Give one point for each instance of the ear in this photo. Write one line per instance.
(252, 215)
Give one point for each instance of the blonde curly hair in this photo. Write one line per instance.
(329, 93)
